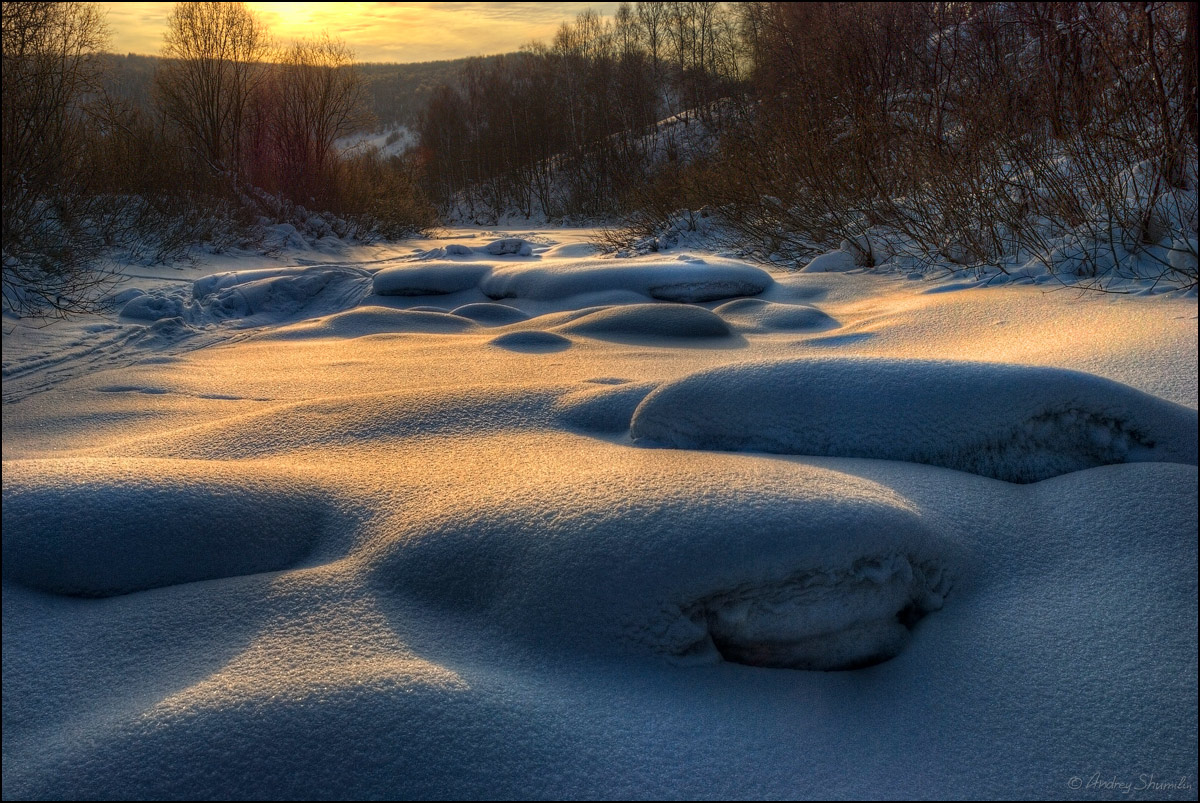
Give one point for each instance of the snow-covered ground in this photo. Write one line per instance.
(389, 143)
(494, 515)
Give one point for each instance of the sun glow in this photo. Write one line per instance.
(397, 32)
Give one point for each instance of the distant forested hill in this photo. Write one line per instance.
(399, 92)
(396, 92)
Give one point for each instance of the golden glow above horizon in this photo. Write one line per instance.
(399, 32)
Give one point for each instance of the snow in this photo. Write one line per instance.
(364, 321)
(1010, 422)
(305, 539)
(254, 297)
(533, 341)
(832, 262)
(608, 568)
(606, 408)
(640, 321)
(507, 246)
(759, 315)
(401, 139)
(95, 528)
(491, 314)
(429, 278)
(685, 279)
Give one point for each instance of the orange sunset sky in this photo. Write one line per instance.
(401, 32)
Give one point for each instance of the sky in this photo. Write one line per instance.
(400, 32)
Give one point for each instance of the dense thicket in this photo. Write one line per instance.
(568, 128)
(964, 132)
(968, 132)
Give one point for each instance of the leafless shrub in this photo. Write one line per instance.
(974, 133)
(52, 227)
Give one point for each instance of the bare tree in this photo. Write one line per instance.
(49, 237)
(212, 58)
(315, 96)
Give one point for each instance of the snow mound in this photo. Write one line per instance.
(102, 527)
(571, 251)
(690, 280)
(757, 315)
(607, 408)
(363, 321)
(255, 297)
(650, 320)
(120, 298)
(429, 278)
(509, 246)
(661, 554)
(153, 307)
(491, 314)
(1015, 423)
(215, 282)
(532, 341)
(833, 262)
(296, 293)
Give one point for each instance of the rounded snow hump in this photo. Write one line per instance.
(1009, 422)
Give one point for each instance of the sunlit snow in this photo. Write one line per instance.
(496, 515)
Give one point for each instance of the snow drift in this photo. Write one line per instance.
(657, 552)
(635, 321)
(686, 279)
(96, 528)
(429, 278)
(1009, 422)
(759, 315)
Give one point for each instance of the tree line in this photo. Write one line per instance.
(568, 127)
(239, 131)
(973, 133)
(969, 132)
(1064, 131)
(396, 94)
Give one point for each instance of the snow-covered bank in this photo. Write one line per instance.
(311, 537)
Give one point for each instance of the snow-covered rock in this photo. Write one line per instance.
(693, 280)
(759, 315)
(363, 321)
(832, 262)
(532, 341)
(649, 321)
(1010, 422)
(509, 246)
(491, 314)
(429, 278)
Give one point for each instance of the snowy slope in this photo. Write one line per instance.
(473, 517)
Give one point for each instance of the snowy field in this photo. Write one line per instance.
(493, 515)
